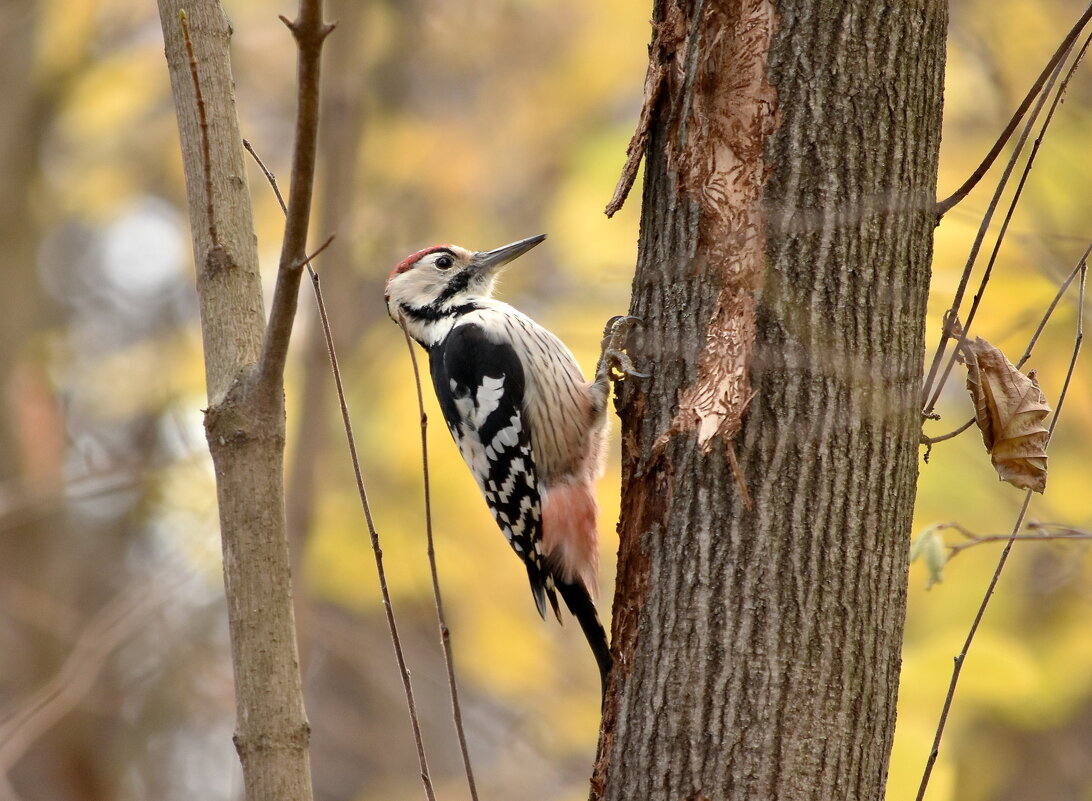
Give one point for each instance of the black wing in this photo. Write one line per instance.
(480, 386)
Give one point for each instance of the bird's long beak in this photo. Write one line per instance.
(489, 261)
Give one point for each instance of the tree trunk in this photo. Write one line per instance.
(244, 422)
(784, 260)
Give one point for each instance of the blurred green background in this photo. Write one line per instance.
(476, 123)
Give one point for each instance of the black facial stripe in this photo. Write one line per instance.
(457, 284)
(433, 312)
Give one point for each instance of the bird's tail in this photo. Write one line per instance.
(580, 604)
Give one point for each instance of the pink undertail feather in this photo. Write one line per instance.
(570, 537)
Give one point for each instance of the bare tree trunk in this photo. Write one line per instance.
(245, 422)
(786, 233)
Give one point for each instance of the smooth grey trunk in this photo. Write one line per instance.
(244, 422)
(786, 235)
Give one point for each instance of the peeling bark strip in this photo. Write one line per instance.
(727, 113)
(667, 37)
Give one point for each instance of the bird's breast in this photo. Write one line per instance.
(566, 437)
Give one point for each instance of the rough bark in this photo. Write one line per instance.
(783, 266)
(244, 422)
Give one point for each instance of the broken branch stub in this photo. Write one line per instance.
(1010, 410)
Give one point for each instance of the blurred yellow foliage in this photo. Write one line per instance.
(489, 121)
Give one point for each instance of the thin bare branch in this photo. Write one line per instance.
(307, 259)
(1059, 55)
(1078, 268)
(1053, 533)
(1059, 529)
(1010, 540)
(272, 179)
(929, 400)
(931, 441)
(269, 176)
(310, 32)
(1077, 340)
(388, 607)
(955, 549)
(445, 633)
(961, 658)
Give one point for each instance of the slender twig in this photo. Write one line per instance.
(931, 441)
(1063, 533)
(203, 122)
(272, 179)
(269, 176)
(955, 549)
(1060, 529)
(977, 300)
(1078, 339)
(373, 533)
(1011, 539)
(945, 205)
(959, 660)
(445, 633)
(929, 400)
(1078, 268)
(307, 259)
(1081, 263)
(309, 32)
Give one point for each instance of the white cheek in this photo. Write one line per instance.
(415, 287)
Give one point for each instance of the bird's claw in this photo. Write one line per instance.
(618, 324)
(613, 356)
(622, 363)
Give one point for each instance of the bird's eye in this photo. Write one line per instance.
(444, 262)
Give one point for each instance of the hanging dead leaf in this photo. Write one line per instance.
(1009, 409)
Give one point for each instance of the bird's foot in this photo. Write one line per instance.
(613, 355)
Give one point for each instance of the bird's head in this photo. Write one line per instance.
(438, 283)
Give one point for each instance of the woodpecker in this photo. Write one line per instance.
(531, 429)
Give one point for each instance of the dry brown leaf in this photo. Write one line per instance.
(1009, 409)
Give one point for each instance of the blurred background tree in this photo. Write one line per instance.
(474, 122)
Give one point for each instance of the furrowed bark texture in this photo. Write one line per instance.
(758, 636)
(244, 422)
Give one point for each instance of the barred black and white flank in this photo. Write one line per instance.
(527, 423)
